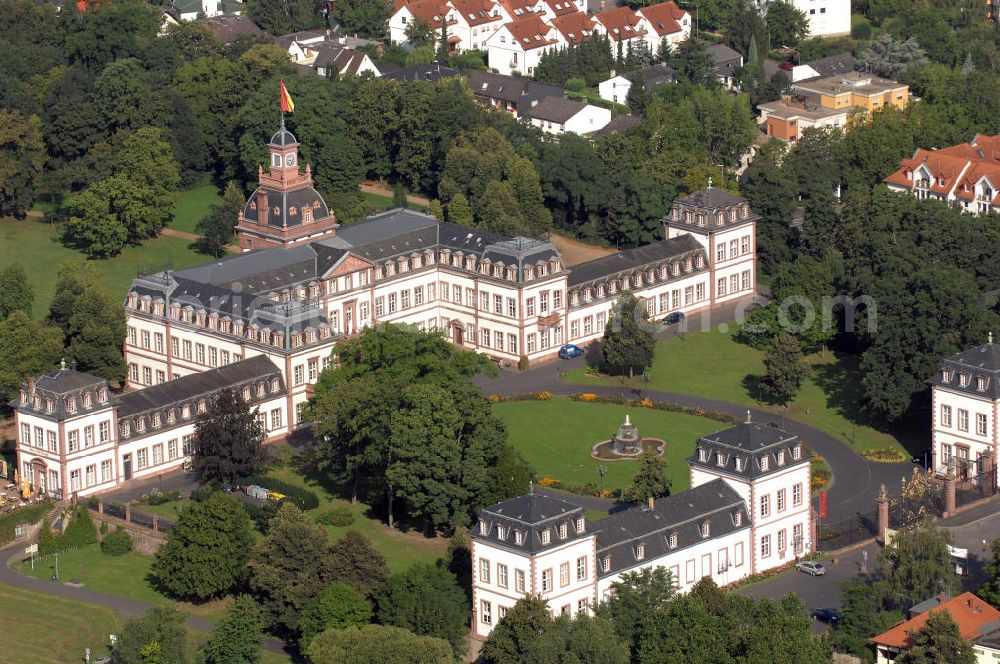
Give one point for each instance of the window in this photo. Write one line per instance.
(980, 424)
(200, 353)
(106, 471)
(147, 376)
(546, 536)
(142, 459)
(512, 344)
(796, 495)
(51, 436)
(781, 500)
(546, 580)
(640, 551)
(581, 568)
(175, 348)
(739, 465)
(133, 375)
(764, 463)
(706, 529)
(582, 606)
(980, 383)
(104, 431)
(392, 302)
(511, 307)
(738, 518)
(563, 531)
(782, 535)
(158, 340)
(73, 441)
(486, 614)
(501, 575)
(498, 304)
(172, 449)
(187, 350)
(797, 452)
(484, 570)
(379, 307)
(564, 575)
(606, 563)
(26, 434)
(157, 454)
(945, 416)
(88, 436)
(275, 419)
(963, 420)
(580, 523)
(721, 286)
(313, 370)
(131, 335)
(404, 299)
(765, 546)
(74, 480)
(519, 580)
(765, 505)
(797, 537)
(299, 374)
(529, 306)
(672, 541)
(720, 252)
(699, 292)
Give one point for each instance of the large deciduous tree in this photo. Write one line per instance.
(206, 553)
(280, 17)
(228, 440)
(426, 600)
(368, 18)
(236, 639)
(916, 566)
(628, 343)
(16, 293)
(217, 229)
(97, 332)
(787, 25)
(340, 605)
(937, 642)
(27, 348)
(650, 481)
(357, 563)
(784, 368)
(161, 631)
(22, 155)
(378, 644)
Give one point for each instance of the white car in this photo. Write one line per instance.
(811, 567)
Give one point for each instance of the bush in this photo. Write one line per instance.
(117, 543)
(337, 516)
(80, 531)
(10, 522)
(260, 513)
(157, 497)
(862, 31)
(103, 529)
(202, 493)
(523, 363)
(302, 498)
(575, 84)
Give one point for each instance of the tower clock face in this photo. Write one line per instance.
(290, 159)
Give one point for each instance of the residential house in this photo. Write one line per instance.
(556, 115)
(617, 87)
(987, 646)
(230, 28)
(623, 27)
(972, 615)
(839, 64)
(189, 10)
(728, 526)
(312, 52)
(827, 18)
(431, 71)
(788, 118)
(967, 174)
(665, 22)
(620, 124)
(518, 46)
(573, 29)
(469, 22)
(512, 94)
(728, 64)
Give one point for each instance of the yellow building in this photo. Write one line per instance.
(856, 90)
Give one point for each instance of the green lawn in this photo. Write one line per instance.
(193, 205)
(42, 629)
(35, 245)
(556, 436)
(126, 576)
(712, 364)
(401, 549)
(379, 203)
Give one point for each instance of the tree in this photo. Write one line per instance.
(784, 368)
(525, 636)
(637, 596)
(786, 24)
(72, 278)
(160, 630)
(217, 228)
(228, 440)
(890, 58)
(917, 566)
(339, 605)
(113, 31)
(860, 619)
(650, 481)
(356, 562)
(367, 18)
(628, 343)
(378, 644)
(459, 211)
(426, 600)
(281, 17)
(990, 590)
(419, 32)
(236, 638)
(16, 293)
(939, 641)
(206, 553)
(693, 63)
(22, 155)
(27, 348)
(97, 333)
(443, 47)
(289, 567)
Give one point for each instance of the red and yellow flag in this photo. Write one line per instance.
(287, 105)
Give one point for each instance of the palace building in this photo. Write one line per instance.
(748, 511)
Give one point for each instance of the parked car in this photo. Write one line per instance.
(831, 616)
(674, 318)
(254, 491)
(811, 567)
(569, 351)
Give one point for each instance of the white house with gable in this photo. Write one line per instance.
(518, 46)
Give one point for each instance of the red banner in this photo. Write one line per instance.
(822, 504)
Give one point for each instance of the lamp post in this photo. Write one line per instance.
(645, 384)
(601, 470)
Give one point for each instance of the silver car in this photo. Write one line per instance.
(811, 567)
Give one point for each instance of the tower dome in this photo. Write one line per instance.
(283, 138)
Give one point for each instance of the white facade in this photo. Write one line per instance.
(615, 89)
(587, 120)
(827, 18)
(509, 54)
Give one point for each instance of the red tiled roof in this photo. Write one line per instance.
(561, 7)
(432, 11)
(530, 32)
(519, 8)
(620, 23)
(475, 12)
(955, 168)
(572, 27)
(664, 19)
(967, 610)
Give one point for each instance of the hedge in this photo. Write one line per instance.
(10, 521)
(302, 498)
(259, 513)
(117, 543)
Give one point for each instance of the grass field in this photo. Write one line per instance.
(194, 204)
(712, 364)
(379, 203)
(35, 245)
(42, 629)
(556, 436)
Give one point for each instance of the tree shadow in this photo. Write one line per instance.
(756, 389)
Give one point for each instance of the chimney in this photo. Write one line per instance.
(31, 385)
(650, 502)
(262, 209)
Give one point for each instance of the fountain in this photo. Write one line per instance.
(627, 442)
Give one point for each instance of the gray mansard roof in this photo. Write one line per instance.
(525, 518)
(289, 204)
(58, 387)
(683, 515)
(631, 259)
(710, 199)
(975, 363)
(749, 443)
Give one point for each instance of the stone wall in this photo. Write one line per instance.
(144, 540)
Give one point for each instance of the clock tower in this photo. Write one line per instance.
(285, 210)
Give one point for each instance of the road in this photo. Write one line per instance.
(856, 480)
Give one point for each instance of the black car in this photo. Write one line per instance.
(831, 616)
(675, 317)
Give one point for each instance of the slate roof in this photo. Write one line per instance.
(193, 386)
(710, 199)
(652, 76)
(979, 362)
(59, 386)
(525, 518)
(431, 71)
(715, 503)
(619, 124)
(631, 259)
(511, 89)
(284, 138)
(555, 109)
(289, 205)
(727, 61)
(831, 65)
(229, 28)
(748, 442)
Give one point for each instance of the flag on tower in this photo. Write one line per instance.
(287, 105)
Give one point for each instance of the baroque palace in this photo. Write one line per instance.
(266, 321)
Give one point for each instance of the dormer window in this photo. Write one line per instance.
(739, 465)
(945, 376)
(246, 394)
(606, 564)
(672, 541)
(546, 536)
(125, 429)
(580, 525)
(38, 403)
(719, 459)
(501, 532)
(171, 417)
(706, 529)
(764, 463)
(781, 458)
(702, 454)
(103, 395)
(483, 528)
(640, 551)
(738, 518)
(563, 531)
(86, 400)
(963, 380)
(797, 452)
(48, 405)
(518, 538)
(156, 419)
(980, 383)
